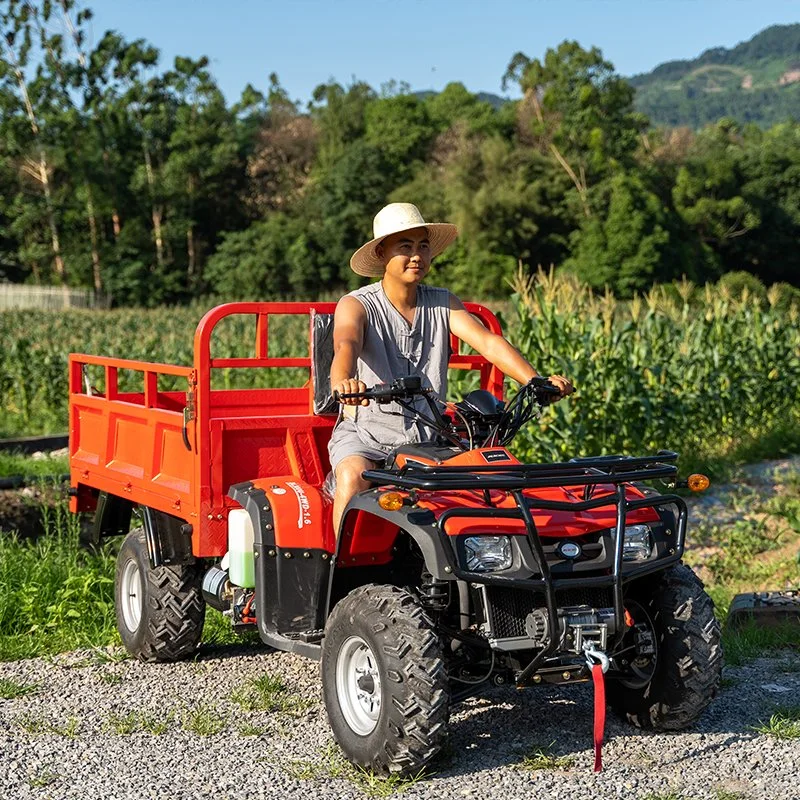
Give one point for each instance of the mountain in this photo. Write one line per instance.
(756, 81)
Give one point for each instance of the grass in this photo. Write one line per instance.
(11, 689)
(268, 693)
(249, 729)
(783, 724)
(543, 758)
(752, 640)
(57, 596)
(331, 764)
(39, 725)
(138, 722)
(204, 720)
(13, 463)
(42, 779)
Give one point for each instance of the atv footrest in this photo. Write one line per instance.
(308, 636)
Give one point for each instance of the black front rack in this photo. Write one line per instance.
(587, 472)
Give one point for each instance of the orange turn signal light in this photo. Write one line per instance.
(698, 482)
(391, 501)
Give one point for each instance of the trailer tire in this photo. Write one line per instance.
(160, 611)
(384, 680)
(688, 662)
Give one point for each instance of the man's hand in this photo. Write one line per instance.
(562, 384)
(351, 386)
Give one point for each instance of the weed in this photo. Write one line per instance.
(69, 729)
(788, 664)
(672, 795)
(136, 722)
(111, 678)
(783, 724)
(10, 689)
(42, 779)
(333, 765)
(542, 757)
(752, 641)
(724, 794)
(375, 785)
(739, 543)
(42, 466)
(41, 725)
(204, 721)
(154, 723)
(56, 596)
(268, 693)
(249, 729)
(727, 683)
(123, 725)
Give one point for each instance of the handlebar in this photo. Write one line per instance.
(400, 389)
(538, 392)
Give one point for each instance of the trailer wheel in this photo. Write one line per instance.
(160, 612)
(670, 689)
(384, 680)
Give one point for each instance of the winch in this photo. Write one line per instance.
(577, 625)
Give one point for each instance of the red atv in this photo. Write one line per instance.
(461, 568)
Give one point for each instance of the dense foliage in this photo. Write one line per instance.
(707, 372)
(756, 81)
(144, 183)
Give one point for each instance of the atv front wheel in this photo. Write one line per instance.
(384, 680)
(160, 612)
(671, 686)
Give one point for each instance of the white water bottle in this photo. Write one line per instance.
(241, 569)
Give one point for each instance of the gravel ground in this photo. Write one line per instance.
(59, 741)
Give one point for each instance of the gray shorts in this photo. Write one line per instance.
(345, 442)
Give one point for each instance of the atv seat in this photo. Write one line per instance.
(321, 360)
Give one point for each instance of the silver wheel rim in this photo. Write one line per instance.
(130, 595)
(358, 686)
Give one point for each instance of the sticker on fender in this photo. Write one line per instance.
(303, 505)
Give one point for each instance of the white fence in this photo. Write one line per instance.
(50, 298)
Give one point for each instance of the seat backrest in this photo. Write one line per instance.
(321, 360)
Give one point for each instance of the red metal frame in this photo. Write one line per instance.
(132, 444)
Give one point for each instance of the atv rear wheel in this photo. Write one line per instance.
(384, 680)
(669, 689)
(160, 612)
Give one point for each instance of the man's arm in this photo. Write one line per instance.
(495, 348)
(348, 339)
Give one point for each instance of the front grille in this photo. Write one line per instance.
(585, 596)
(509, 607)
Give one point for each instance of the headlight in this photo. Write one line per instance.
(487, 553)
(637, 544)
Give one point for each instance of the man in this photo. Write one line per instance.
(397, 327)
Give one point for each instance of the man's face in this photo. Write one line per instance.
(407, 255)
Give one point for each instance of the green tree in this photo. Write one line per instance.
(579, 111)
(624, 246)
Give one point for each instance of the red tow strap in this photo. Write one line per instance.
(599, 714)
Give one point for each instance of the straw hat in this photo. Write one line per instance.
(394, 218)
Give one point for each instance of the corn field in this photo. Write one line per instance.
(705, 373)
(700, 371)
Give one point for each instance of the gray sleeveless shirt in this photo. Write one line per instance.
(392, 349)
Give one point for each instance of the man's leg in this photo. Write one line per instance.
(348, 483)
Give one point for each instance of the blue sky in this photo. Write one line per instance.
(426, 43)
